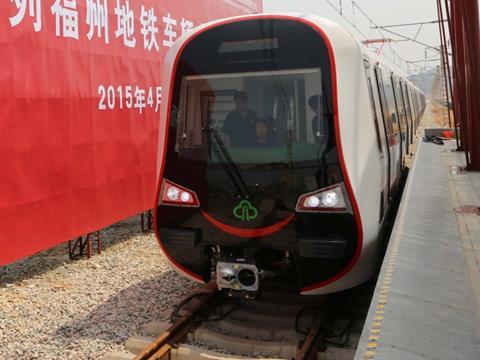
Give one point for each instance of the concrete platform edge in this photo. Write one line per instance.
(384, 313)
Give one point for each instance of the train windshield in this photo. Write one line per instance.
(254, 118)
(253, 101)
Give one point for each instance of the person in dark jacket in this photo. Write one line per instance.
(239, 125)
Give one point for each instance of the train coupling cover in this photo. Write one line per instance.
(240, 278)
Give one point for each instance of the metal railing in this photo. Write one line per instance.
(463, 76)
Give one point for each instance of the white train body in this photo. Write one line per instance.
(376, 111)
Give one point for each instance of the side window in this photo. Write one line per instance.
(392, 111)
(407, 100)
(413, 104)
(383, 101)
(416, 104)
(403, 101)
(399, 103)
(374, 110)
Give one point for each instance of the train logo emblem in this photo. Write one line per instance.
(245, 211)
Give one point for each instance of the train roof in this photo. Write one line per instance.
(332, 26)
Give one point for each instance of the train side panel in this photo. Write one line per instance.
(357, 133)
(363, 167)
(358, 136)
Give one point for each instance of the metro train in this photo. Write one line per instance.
(282, 144)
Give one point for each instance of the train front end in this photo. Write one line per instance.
(252, 186)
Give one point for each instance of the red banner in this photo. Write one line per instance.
(79, 115)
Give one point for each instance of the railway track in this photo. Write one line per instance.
(278, 325)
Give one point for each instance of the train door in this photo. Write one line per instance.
(382, 143)
(386, 128)
(402, 123)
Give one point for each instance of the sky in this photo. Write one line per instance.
(384, 12)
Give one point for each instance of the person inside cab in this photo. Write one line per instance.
(321, 127)
(239, 125)
(263, 133)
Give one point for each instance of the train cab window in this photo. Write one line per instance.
(259, 117)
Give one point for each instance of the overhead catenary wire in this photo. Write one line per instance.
(353, 24)
(423, 60)
(407, 24)
(340, 12)
(396, 58)
(414, 40)
(394, 52)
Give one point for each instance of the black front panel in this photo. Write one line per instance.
(251, 130)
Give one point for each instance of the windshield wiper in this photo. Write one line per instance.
(224, 156)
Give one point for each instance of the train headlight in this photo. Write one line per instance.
(176, 195)
(173, 193)
(330, 199)
(312, 201)
(185, 197)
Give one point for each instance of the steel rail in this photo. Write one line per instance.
(308, 350)
(160, 348)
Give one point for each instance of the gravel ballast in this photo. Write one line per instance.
(55, 308)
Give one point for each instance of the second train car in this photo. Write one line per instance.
(282, 145)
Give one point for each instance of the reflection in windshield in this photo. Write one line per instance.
(218, 147)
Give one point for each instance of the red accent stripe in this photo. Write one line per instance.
(343, 166)
(248, 233)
